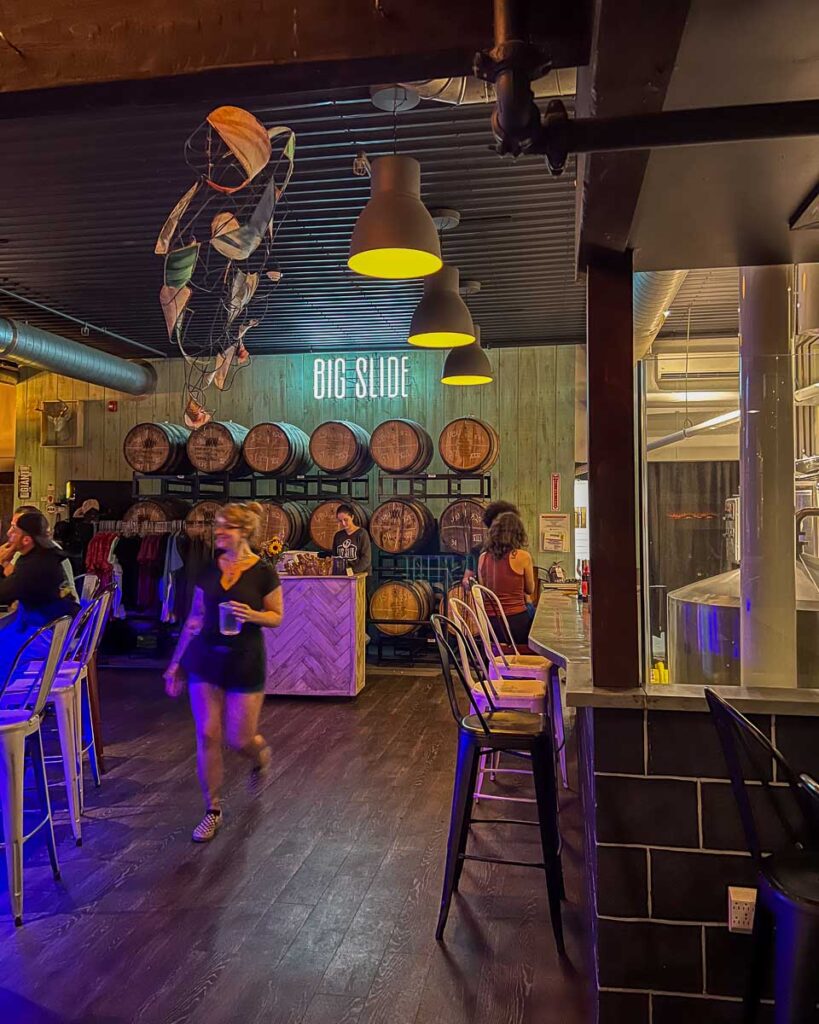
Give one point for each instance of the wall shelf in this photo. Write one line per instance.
(431, 486)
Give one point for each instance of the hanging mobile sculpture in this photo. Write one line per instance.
(218, 247)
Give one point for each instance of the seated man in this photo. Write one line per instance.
(37, 586)
(9, 557)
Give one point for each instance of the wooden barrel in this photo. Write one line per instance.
(217, 448)
(410, 600)
(324, 525)
(461, 526)
(277, 449)
(155, 510)
(469, 446)
(199, 521)
(341, 448)
(157, 448)
(287, 520)
(401, 446)
(463, 594)
(401, 525)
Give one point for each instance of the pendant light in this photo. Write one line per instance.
(441, 318)
(468, 364)
(395, 237)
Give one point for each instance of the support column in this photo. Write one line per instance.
(767, 611)
(615, 634)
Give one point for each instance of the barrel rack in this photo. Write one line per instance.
(195, 486)
(434, 485)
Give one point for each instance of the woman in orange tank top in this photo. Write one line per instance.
(506, 567)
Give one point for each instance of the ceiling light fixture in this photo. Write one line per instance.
(395, 237)
(441, 318)
(468, 364)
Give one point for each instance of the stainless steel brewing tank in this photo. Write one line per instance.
(703, 628)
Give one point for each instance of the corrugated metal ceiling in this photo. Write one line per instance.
(84, 198)
(711, 298)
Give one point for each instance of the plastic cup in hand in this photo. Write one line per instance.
(229, 625)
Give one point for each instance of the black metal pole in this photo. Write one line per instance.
(698, 127)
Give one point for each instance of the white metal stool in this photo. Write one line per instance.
(520, 666)
(20, 716)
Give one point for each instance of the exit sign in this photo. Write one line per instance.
(361, 377)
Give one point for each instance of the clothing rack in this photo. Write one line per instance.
(138, 528)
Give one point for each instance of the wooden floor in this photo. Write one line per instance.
(317, 901)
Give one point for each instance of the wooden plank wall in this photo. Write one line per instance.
(531, 404)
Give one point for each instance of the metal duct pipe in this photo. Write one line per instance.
(34, 347)
(653, 293)
(697, 428)
(468, 90)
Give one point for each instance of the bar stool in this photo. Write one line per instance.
(505, 660)
(20, 717)
(786, 919)
(509, 694)
(68, 696)
(515, 732)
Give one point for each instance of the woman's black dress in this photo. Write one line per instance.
(232, 662)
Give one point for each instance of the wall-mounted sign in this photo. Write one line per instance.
(361, 377)
(555, 492)
(24, 482)
(554, 533)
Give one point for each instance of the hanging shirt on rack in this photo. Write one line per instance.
(168, 583)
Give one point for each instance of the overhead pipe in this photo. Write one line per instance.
(653, 292)
(468, 90)
(520, 128)
(697, 428)
(32, 346)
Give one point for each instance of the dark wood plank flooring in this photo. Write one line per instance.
(316, 903)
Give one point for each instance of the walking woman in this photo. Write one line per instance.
(506, 567)
(221, 654)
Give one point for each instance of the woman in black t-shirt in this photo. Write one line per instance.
(221, 652)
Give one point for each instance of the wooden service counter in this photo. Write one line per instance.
(319, 649)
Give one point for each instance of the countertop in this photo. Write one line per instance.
(561, 632)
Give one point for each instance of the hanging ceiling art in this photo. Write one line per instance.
(217, 245)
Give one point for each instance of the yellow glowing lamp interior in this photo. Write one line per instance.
(469, 378)
(395, 264)
(441, 339)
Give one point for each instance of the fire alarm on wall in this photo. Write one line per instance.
(112, 407)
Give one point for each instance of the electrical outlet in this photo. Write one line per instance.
(741, 906)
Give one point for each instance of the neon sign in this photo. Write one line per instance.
(361, 377)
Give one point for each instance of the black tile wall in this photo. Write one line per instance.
(679, 1010)
(721, 825)
(652, 812)
(622, 881)
(726, 957)
(796, 738)
(623, 1008)
(686, 743)
(618, 740)
(643, 955)
(693, 886)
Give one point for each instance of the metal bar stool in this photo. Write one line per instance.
(67, 697)
(516, 732)
(786, 920)
(505, 660)
(527, 694)
(20, 716)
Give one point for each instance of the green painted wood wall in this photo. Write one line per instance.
(530, 404)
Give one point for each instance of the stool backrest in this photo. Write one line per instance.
(750, 755)
(491, 641)
(466, 619)
(454, 677)
(99, 609)
(34, 692)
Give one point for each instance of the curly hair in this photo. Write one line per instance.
(246, 516)
(507, 533)
(495, 509)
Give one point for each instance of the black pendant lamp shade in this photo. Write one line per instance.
(395, 237)
(441, 318)
(468, 364)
